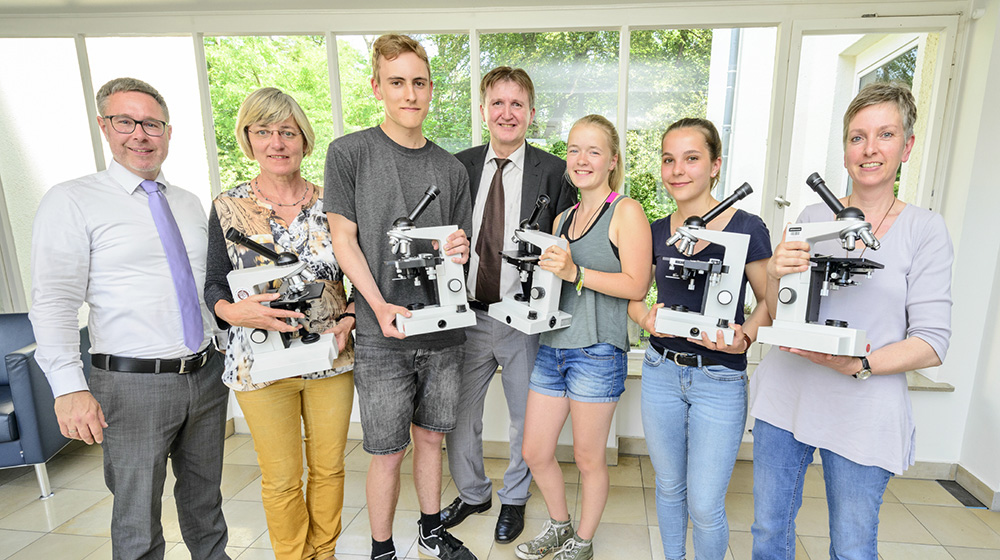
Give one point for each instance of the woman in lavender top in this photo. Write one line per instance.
(802, 401)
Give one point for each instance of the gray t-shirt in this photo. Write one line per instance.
(867, 421)
(371, 180)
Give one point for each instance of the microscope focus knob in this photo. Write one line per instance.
(455, 285)
(786, 295)
(537, 292)
(258, 336)
(725, 297)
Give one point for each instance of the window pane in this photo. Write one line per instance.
(297, 65)
(167, 64)
(831, 71)
(41, 101)
(575, 74)
(448, 124)
(723, 75)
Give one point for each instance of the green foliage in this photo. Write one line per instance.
(575, 74)
(239, 65)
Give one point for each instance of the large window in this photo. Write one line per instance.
(723, 75)
(297, 65)
(46, 141)
(832, 70)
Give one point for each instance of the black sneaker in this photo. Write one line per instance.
(385, 556)
(442, 545)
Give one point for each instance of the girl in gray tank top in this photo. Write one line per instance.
(582, 368)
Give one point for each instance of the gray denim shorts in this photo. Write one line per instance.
(397, 387)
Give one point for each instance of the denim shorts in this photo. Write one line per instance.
(399, 387)
(592, 374)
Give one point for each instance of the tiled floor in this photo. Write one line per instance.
(919, 519)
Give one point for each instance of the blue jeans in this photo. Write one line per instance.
(853, 494)
(693, 418)
(593, 374)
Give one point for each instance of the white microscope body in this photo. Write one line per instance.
(799, 294)
(724, 281)
(451, 311)
(536, 308)
(279, 355)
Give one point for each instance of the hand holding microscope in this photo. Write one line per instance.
(723, 278)
(800, 295)
(536, 308)
(450, 306)
(277, 355)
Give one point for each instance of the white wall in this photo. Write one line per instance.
(39, 148)
(971, 209)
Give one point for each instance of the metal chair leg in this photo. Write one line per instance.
(42, 474)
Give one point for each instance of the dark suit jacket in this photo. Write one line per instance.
(544, 173)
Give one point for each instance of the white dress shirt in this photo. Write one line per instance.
(94, 240)
(513, 174)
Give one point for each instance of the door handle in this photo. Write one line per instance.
(781, 202)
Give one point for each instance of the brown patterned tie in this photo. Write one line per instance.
(490, 241)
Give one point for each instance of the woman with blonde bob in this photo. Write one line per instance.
(581, 369)
(283, 211)
(856, 411)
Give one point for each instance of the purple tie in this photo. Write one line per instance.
(180, 267)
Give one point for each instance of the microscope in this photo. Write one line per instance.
(277, 355)
(796, 323)
(451, 308)
(536, 308)
(723, 279)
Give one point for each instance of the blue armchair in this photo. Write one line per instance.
(29, 431)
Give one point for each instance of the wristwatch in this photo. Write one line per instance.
(866, 369)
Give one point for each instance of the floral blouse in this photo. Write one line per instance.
(308, 237)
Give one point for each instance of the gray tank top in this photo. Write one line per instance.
(597, 317)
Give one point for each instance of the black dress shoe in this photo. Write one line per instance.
(509, 524)
(457, 511)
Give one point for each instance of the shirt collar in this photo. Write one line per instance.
(517, 158)
(129, 181)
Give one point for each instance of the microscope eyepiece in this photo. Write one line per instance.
(818, 185)
(739, 194)
(532, 221)
(235, 236)
(431, 193)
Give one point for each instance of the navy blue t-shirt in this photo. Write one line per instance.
(671, 291)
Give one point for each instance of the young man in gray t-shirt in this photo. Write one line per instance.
(405, 384)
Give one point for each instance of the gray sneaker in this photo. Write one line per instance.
(551, 538)
(575, 550)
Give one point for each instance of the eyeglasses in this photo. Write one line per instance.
(265, 134)
(126, 125)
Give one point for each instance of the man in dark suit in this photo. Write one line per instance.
(505, 176)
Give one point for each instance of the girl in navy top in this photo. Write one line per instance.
(693, 415)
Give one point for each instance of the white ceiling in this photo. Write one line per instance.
(43, 7)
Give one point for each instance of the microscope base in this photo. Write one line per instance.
(690, 325)
(515, 314)
(297, 359)
(838, 341)
(435, 319)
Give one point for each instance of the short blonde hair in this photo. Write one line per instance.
(877, 93)
(617, 176)
(268, 106)
(390, 46)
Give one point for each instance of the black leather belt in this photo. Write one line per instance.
(180, 366)
(689, 359)
(478, 305)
